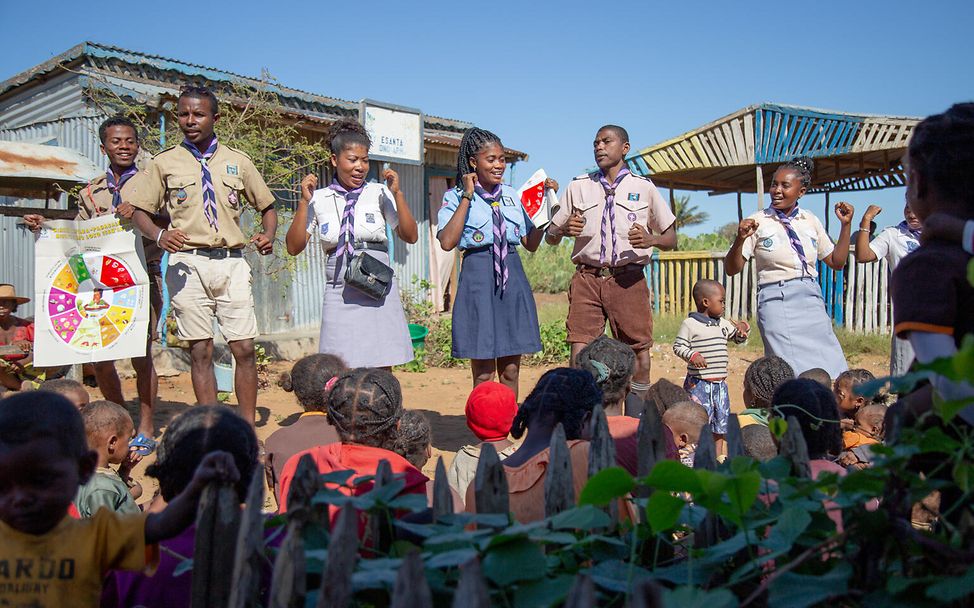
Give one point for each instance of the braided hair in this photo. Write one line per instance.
(365, 406)
(562, 395)
(764, 376)
(857, 377)
(309, 378)
(942, 151)
(344, 133)
(474, 140)
(195, 433)
(803, 166)
(611, 363)
(415, 437)
(817, 413)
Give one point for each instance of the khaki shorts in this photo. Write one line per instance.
(201, 288)
(623, 299)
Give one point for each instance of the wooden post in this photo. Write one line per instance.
(471, 589)
(794, 448)
(646, 595)
(288, 581)
(217, 521)
(336, 580)
(250, 548)
(490, 484)
(740, 208)
(411, 590)
(828, 211)
(582, 593)
(705, 456)
(304, 485)
(735, 441)
(442, 497)
(559, 484)
(759, 174)
(602, 453)
(379, 530)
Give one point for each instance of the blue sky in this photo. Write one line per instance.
(545, 75)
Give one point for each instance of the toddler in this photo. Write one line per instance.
(108, 429)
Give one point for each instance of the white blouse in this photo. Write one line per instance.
(374, 208)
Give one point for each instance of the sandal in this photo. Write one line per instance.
(143, 444)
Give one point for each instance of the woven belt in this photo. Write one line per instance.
(608, 270)
(216, 253)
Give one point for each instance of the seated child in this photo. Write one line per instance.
(490, 410)
(365, 406)
(702, 343)
(109, 428)
(685, 419)
(562, 395)
(868, 430)
(189, 438)
(663, 394)
(309, 380)
(65, 560)
(845, 394)
(72, 390)
(818, 375)
(415, 444)
(761, 379)
(758, 442)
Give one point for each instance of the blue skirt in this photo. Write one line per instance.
(487, 323)
(795, 327)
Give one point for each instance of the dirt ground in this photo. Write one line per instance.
(439, 393)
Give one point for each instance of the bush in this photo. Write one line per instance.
(550, 268)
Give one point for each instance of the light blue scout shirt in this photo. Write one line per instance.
(478, 231)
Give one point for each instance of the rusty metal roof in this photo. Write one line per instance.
(454, 142)
(31, 169)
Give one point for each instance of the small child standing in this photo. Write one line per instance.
(702, 343)
(490, 411)
(109, 428)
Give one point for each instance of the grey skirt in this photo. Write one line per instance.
(362, 331)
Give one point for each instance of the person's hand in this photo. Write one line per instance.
(871, 212)
(743, 328)
(845, 212)
(698, 361)
(173, 240)
(128, 463)
(746, 228)
(263, 243)
(33, 221)
(24, 345)
(392, 180)
(576, 222)
(848, 459)
(640, 238)
(469, 180)
(847, 424)
(939, 226)
(215, 466)
(308, 186)
(551, 184)
(125, 210)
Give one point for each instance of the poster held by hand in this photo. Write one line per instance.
(537, 200)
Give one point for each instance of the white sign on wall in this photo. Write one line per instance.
(396, 132)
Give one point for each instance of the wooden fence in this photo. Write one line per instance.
(856, 297)
(223, 530)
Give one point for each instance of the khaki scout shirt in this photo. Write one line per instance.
(774, 257)
(96, 200)
(173, 181)
(637, 201)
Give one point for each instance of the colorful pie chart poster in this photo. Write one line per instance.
(92, 292)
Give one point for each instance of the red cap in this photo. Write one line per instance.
(490, 411)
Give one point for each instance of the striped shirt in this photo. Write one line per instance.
(707, 336)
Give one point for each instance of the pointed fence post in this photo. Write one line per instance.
(336, 580)
(794, 448)
(379, 530)
(471, 589)
(411, 590)
(650, 449)
(490, 484)
(582, 593)
(559, 486)
(288, 581)
(602, 454)
(705, 457)
(217, 522)
(250, 548)
(646, 594)
(735, 439)
(304, 485)
(442, 497)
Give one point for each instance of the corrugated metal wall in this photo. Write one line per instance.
(17, 260)
(58, 98)
(413, 260)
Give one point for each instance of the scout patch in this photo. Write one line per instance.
(369, 218)
(478, 236)
(232, 198)
(508, 201)
(231, 169)
(912, 246)
(631, 217)
(634, 196)
(181, 195)
(324, 229)
(767, 243)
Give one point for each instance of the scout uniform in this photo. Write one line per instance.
(791, 311)
(494, 314)
(352, 323)
(209, 274)
(609, 282)
(895, 243)
(95, 200)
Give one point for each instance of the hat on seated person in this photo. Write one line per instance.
(490, 411)
(7, 292)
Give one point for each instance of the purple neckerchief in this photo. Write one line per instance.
(209, 195)
(796, 243)
(499, 246)
(914, 232)
(116, 188)
(346, 239)
(609, 213)
(705, 319)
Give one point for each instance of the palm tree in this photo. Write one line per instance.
(687, 214)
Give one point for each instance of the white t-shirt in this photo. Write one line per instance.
(893, 243)
(374, 208)
(774, 257)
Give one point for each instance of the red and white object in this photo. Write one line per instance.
(536, 199)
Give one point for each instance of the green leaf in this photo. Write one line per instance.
(543, 593)
(512, 562)
(580, 518)
(695, 597)
(183, 567)
(663, 511)
(791, 524)
(949, 409)
(777, 426)
(374, 579)
(451, 559)
(616, 575)
(953, 589)
(963, 475)
(742, 490)
(673, 476)
(605, 486)
(792, 590)
(409, 502)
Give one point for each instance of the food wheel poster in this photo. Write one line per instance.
(91, 292)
